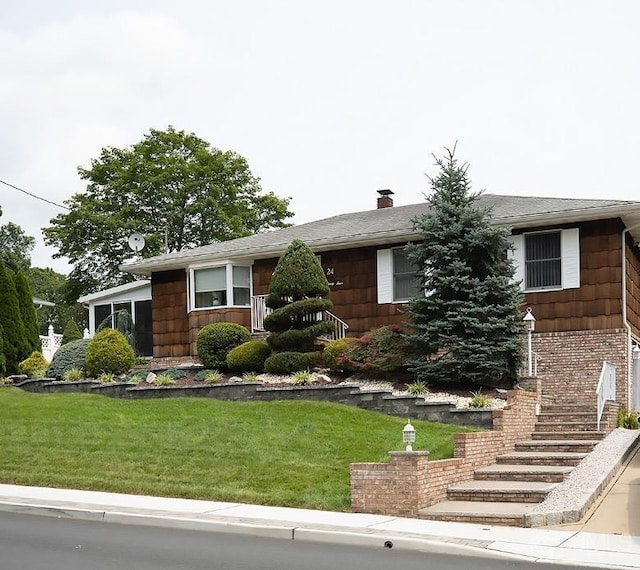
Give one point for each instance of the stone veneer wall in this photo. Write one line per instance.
(571, 362)
(410, 482)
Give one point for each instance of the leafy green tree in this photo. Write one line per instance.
(31, 340)
(15, 246)
(172, 187)
(51, 286)
(297, 295)
(13, 332)
(467, 323)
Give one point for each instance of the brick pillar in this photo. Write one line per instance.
(397, 488)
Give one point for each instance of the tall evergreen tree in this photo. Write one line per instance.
(13, 333)
(3, 358)
(31, 339)
(467, 321)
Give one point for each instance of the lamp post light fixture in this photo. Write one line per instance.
(530, 323)
(408, 435)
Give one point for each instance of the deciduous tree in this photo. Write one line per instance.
(173, 188)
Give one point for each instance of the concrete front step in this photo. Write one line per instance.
(568, 445)
(568, 408)
(567, 435)
(510, 514)
(561, 417)
(541, 458)
(566, 426)
(500, 491)
(523, 472)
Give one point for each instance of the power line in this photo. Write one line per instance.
(34, 195)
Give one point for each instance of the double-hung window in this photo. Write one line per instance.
(405, 281)
(547, 260)
(221, 286)
(397, 279)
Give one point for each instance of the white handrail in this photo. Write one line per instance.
(259, 311)
(606, 389)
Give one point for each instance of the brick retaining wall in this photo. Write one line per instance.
(410, 482)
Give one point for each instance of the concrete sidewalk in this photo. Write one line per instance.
(617, 511)
(605, 540)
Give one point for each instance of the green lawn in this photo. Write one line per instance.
(276, 453)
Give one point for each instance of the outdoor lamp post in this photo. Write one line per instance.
(408, 435)
(530, 323)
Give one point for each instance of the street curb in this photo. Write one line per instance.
(369, 539)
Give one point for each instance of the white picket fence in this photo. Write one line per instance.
(52, 342)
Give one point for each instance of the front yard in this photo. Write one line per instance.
(278, 453)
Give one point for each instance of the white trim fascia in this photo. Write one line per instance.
(115, 290)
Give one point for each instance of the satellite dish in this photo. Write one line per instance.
(136, 242)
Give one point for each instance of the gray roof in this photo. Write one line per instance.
(385, 226)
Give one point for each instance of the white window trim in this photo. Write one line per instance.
(228, 265)
(569, 260)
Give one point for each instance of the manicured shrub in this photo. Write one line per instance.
(216, 340)
(286, 363)
(379, 353)
(71, 332)
(249, 356)
(297, 295)
(70, 355)
(333, 355)
(109, 351)
(35, 366)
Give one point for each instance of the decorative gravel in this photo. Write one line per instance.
(376, 385)
(568, 501)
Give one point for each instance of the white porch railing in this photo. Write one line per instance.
(606, 389)
(50, 343)
(259, 311)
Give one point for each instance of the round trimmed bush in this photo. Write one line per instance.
(35, 366)
(68, 356)
(216, 340)
(333, 355)
(109, 351)
(249, 356)
(285, 363)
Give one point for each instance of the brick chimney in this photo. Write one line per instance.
(385, 200)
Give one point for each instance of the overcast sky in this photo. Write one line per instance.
(328, 101)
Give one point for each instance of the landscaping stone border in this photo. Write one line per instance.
(413, 407)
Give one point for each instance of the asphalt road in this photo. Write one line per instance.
(29, 542)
